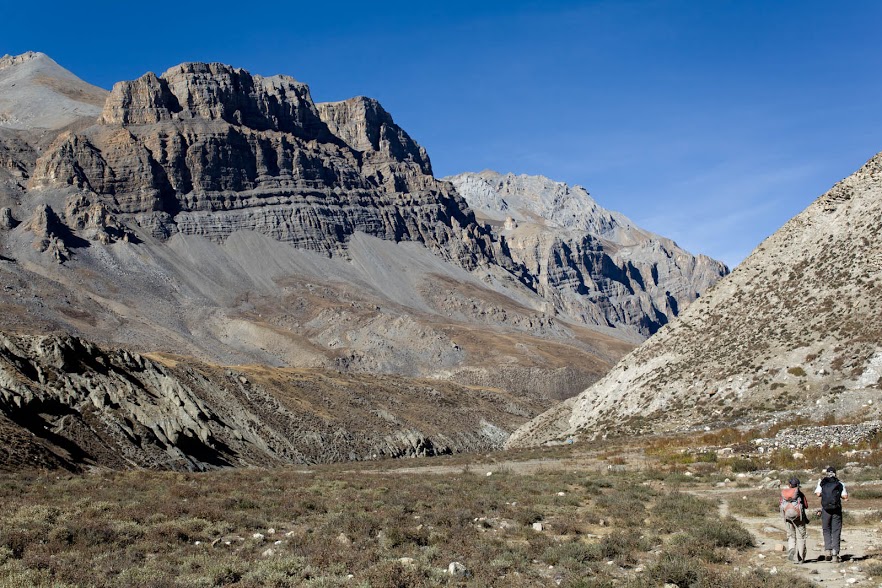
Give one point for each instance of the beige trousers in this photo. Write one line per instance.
(796, 533)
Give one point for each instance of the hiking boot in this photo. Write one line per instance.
(827, 556)
(836, 559)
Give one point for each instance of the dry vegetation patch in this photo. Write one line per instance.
(334, 527)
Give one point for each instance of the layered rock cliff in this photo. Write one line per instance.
(793, 331)
(590, 262)
(207, 149)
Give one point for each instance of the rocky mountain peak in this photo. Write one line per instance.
(540, 199)
(216, 92)
(590, 261)
(10, 60)
(37, 93)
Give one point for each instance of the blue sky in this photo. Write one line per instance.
(711, 122)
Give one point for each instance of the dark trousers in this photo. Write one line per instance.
(831, 523)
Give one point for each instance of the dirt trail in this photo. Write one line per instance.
(770, 532)
(857, 542)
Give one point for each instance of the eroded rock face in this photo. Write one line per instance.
(792, 332)
(207, 149)
(590, 262)
(86, 405)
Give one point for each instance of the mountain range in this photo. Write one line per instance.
(208, 268)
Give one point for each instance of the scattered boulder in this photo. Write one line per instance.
(7, 222)
(458, 569)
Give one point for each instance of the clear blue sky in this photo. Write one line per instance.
(711, 122)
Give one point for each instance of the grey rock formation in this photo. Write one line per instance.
(793, 331)
(591, 263)
(6, 219)
(83, 405)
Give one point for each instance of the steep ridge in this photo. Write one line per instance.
(590, 262)
(72, 404)
(794, 330)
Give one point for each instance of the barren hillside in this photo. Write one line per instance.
(794, 329)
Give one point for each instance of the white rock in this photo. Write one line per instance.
(561, 493)
(270, 531)
(279, 542)
(258, 536)
(268, 553)
(456, 568)
(537, 526)
(488, 474)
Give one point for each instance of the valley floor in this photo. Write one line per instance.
(562, 516)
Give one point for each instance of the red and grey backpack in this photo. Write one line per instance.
(791, 505)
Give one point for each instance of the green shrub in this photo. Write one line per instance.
(741, 464)
(727, 532)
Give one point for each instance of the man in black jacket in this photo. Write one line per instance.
(832, 493)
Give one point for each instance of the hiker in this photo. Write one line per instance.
(794, 506)
(832, 493)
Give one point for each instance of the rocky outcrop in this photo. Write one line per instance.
(591, 263)
(84, 405)
(17, 158)
(793, 331)
(7, 221)
(366, 127)
(207, 149)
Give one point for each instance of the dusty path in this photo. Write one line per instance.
(770, 532)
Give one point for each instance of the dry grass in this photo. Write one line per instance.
(198, 530)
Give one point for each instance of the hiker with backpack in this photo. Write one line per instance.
(794, 506)
(832, 493)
